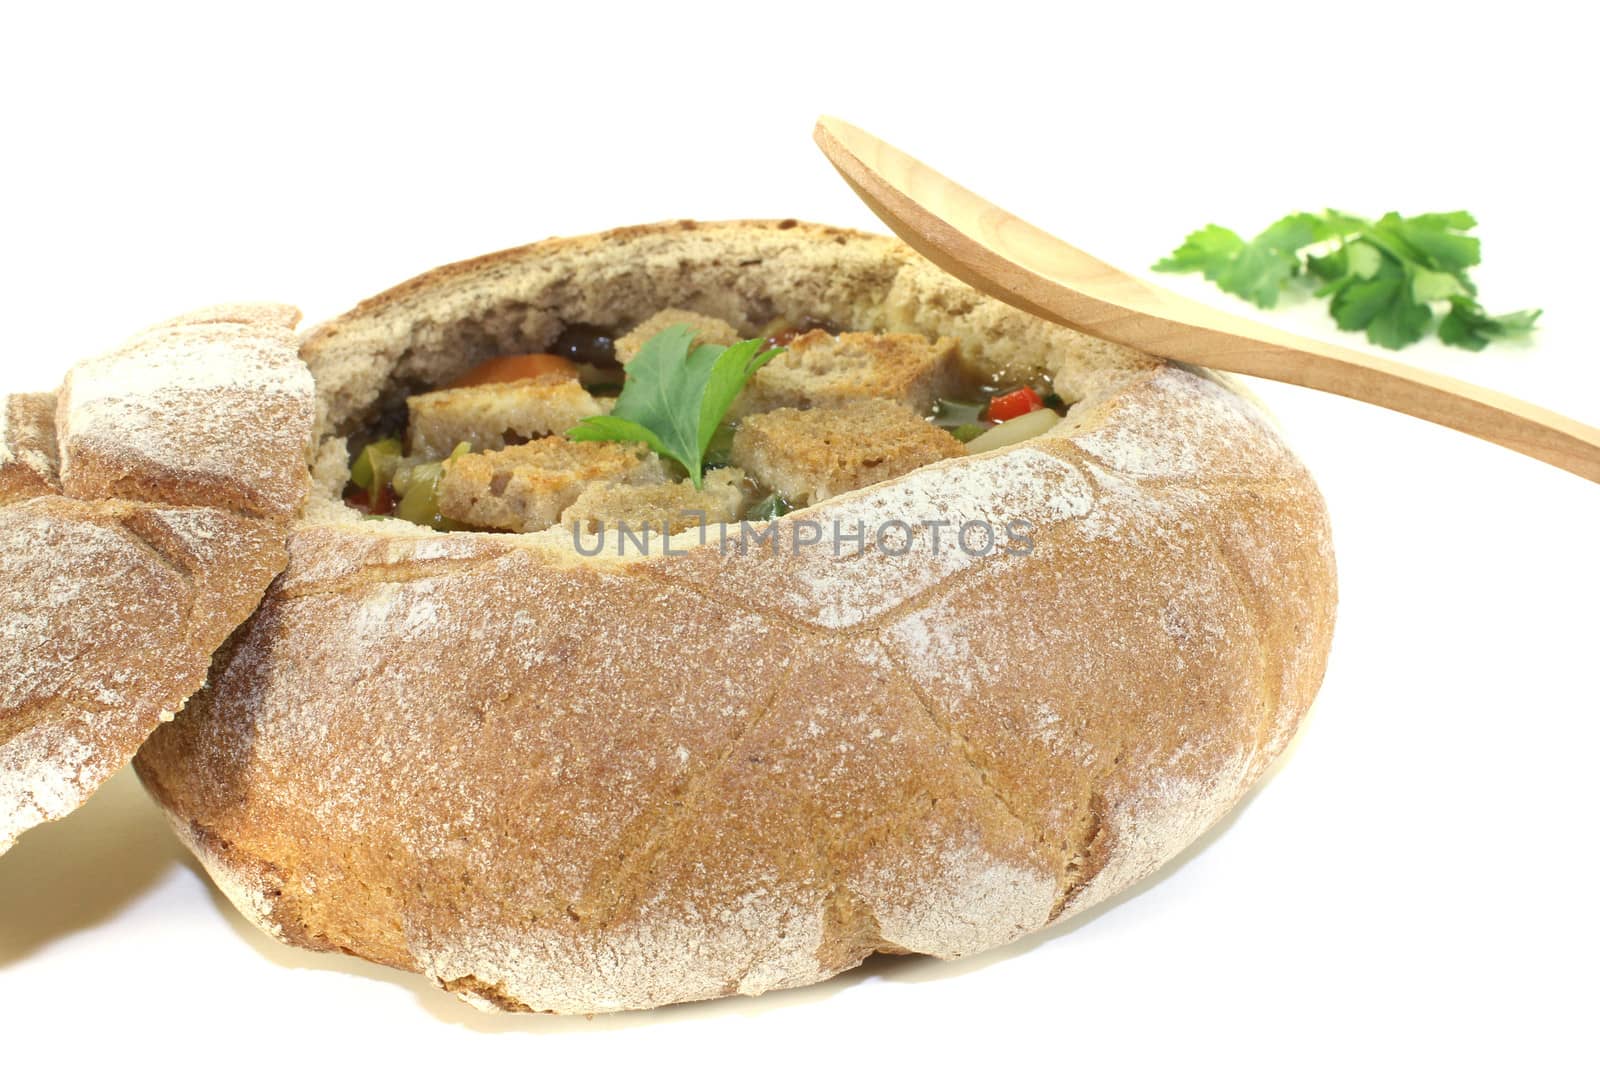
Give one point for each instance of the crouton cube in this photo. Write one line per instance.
(489, 417)
(673, 506)
(526, 487)
(708, 331)
(810, 455)
(819, 370)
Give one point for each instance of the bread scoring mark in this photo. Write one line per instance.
(969, 901)
(859, 590)
(179, 569)
(979, 901)
(681, 805)
(960, 744)
(1269, 710)
(1202, 615)
(1150, 826)
(1262, 548)
(328, 560)
(772, 935)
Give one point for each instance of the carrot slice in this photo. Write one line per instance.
(517, 368)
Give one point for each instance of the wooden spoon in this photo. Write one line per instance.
(1009, 259)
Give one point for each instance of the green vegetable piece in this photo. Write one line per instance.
(373, 464)
(951, 413)
(676, 395)
(769, 507)
(420, 504)
(1385, 277)
(718, 454)
(966, 431)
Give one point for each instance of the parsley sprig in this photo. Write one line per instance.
(1385, 277)
(676, 395)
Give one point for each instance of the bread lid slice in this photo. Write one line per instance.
(144, 508)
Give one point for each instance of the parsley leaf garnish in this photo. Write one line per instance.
(1255, 270)
(1384, 277)
(1466, 326)
(676, 395)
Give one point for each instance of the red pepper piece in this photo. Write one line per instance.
(1010, 405)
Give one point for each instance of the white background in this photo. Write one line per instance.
(1416, 877)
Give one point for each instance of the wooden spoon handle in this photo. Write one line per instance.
(1008, 258)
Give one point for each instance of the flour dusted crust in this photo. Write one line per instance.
(199, 411)
(127, 552)
(27, 446)
(560, 783)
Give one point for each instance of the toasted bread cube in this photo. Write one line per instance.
(489, 417)
(810, 455)
(708, 331)
(673, 506)
(820, 370)
(526, 487)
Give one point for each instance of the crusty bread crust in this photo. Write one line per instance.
(28, 460)
(123, 569)
(195, 412)
(561, 783)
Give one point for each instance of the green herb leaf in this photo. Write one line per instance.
(1430, 240)
(1210, 250)
(676, 395)
(612, 428)
(1430, 285)
(1466, 326)
(1384, 277)
(1256, 270)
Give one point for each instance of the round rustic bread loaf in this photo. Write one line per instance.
(143, 512)
(558, 782)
